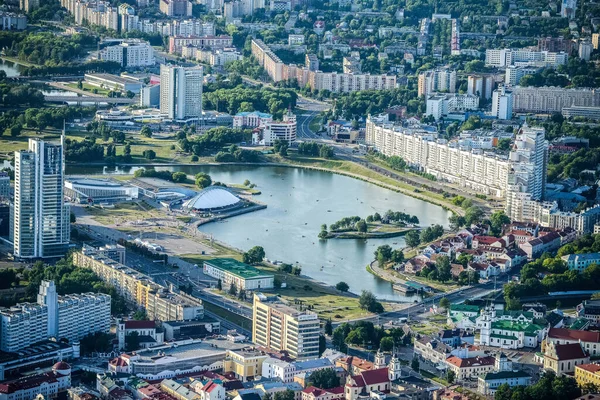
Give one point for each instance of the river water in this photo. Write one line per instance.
(12, 69)
(298, 202)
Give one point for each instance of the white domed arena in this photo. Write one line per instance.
(213, 199)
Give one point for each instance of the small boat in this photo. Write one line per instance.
(328, 210)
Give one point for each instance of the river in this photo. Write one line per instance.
(12, 69)
(299, 201)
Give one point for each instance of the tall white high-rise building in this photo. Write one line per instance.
(502, 103)
(40, 218)
(527, 177)
(439, 80)
(181, 92)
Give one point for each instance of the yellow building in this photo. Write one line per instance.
(595, 37)
(245, 364)
(587, 373)
(280, 327)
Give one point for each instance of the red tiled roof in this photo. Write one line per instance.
(593, 368)
(27, 383)
(470, 362)
(485, 239)
(376, 376)
(570, 334)
(570, 351)
(210, 386)
(139, 324)
(316, 392)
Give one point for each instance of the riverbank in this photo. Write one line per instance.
(368, 235)
(394, 277)
(15, 60)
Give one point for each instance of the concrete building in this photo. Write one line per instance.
(590, 310)
(114, 82)
(130, 53)
(502, 103)
(87, 190)
(503, 58)
(146, 332)
(245, 364)
(438, 80)
(513, 74)
(178, 43)
(29, 5)
(40, 218)
(68, 317)
(439, 105)
(279, 327)
(12, 21)
(550, 99)
(232, 272)
(480, 85)
(48, 384)
(587, 373)
(176, 8)
(252, 119)
(579, 262)
(589, 340)
(568, 8)
(150, 96)
(585, 49)
(159, 303)
(5, 189)
(503, 374)
(181, 92)
(271, 131)
(584, 112)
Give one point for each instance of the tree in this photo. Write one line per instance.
(219, 285)
(325, 378)
(322, 344)
(149, 154)
(504, 392)
(383, 254)
(451, 376)
(361, 226)
(445, 303)
(368, 301)
(132, 341)
(398, 256)
(140, 315)
(386, 344)
(14, 130)
(286, 395)
(254, 256)
(72, 218)
(203, 180)
(414, 364)
(328, 327)
(146, 131)
(179, 177)
(442, 265)
(498, 219)
(342, 286)
(412, 238)
(232, 289)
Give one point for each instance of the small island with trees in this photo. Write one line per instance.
(391, 224)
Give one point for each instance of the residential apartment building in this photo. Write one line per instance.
(480, 85)
(318, 80)
(579, 262)
(5, 189)
(467, 367)
(176, 8)
(40, 218)
(587, 373)
(550, 99)
(70, 317)
(439, 105)
(232, 272)
(130, 53)
(279, 326)
(12, 21)
(181, 92)
(252, 119)
(218, 57)
(513, 74)
(29, 5)
(585, 112)
(502, 103)
(438, 80)
(47, 385)
(471, 168)
(503, 58)
(159, 303)
(590, 310)
(178, 43)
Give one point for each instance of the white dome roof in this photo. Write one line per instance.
(212, 197)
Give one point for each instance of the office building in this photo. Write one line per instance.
(271, 131)
(150, 96)
(41, 219)
(550, 99)
(5, 190)
(181, 92)
(114, 82)
(502, 103)
(480, 85)
(585, 49)
(70, 317)
(130, 53)
(232, 272)
(584, 112)
(160, 304)
(279, 327)
(176, 8)
(439, 80)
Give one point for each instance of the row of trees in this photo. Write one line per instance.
(315, 149)
(234, 154)
(214, 139)
(385, 254)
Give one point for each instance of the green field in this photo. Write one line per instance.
(89, 88)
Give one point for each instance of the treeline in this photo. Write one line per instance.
(394, 162)
(315, 149)
(557, 276)
(41, 118)
(234, 154)
(70, 279)
(358, 104)
(84, 151)
(549, 387)
(241, 98)
(94, 66)
(14, 95)
(143, 250)
(570, 165)
(212, 140)
(152, 173)
(45, 48)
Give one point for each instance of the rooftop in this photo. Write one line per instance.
(490, 376)
(570, 334)
(237, 268)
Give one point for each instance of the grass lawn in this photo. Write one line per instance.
(89, 88)
(229, 316)
(121, 213)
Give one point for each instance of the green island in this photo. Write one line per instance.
(391, 224)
